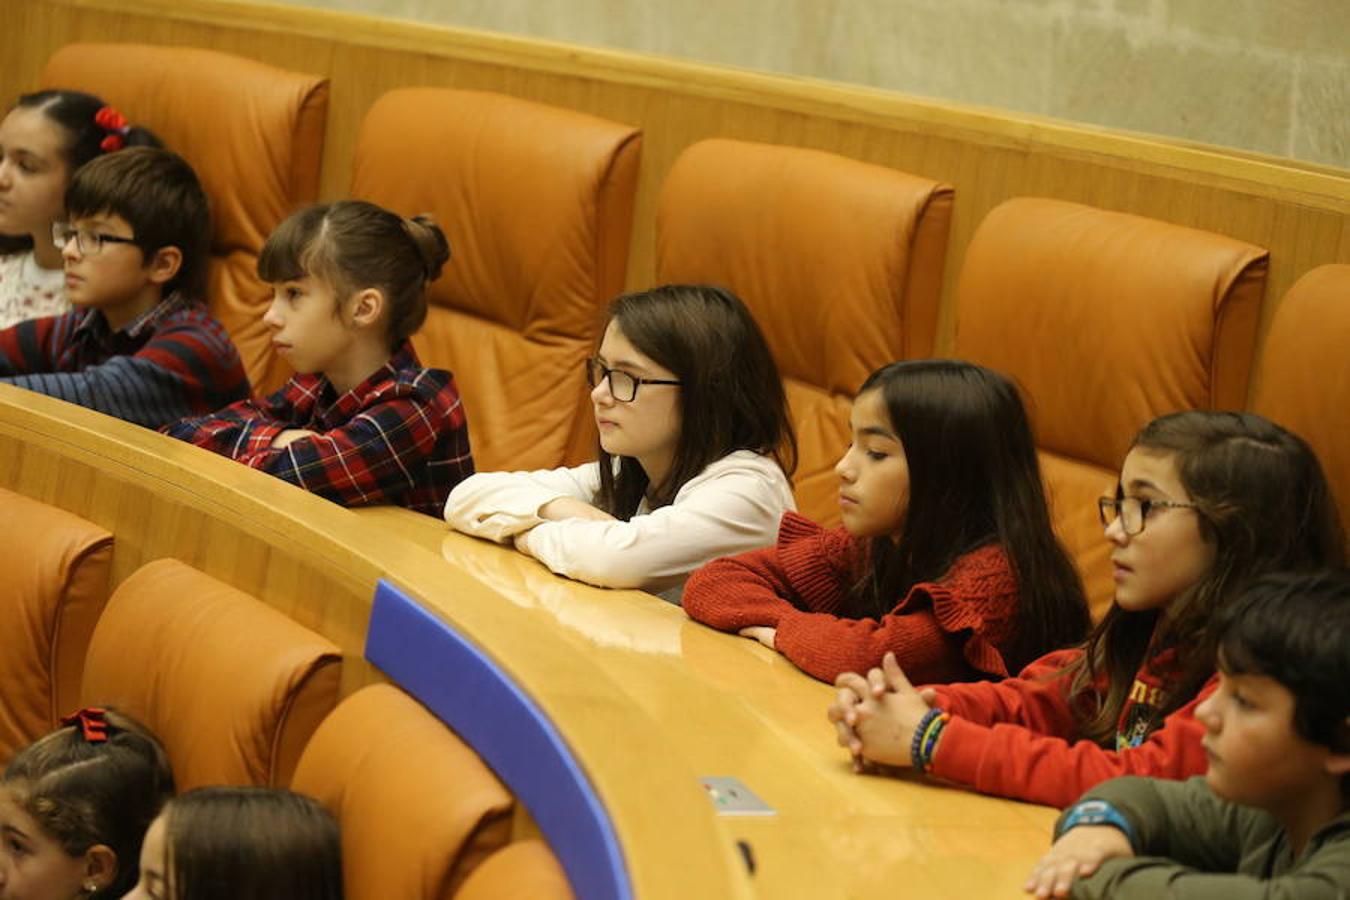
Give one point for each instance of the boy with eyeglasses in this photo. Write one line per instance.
(1270, 818)
(139, 344)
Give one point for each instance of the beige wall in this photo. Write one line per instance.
(1265, 75)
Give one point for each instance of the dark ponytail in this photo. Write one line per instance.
(353, 245)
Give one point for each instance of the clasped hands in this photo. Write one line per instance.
(874, 716)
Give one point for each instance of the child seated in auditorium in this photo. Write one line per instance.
(75, 805)
(43, 140)
(694, 444)
(241, 843)
(1271, 817)
(363, 422)
(139, 344)
(946, 556)
(1206, 501)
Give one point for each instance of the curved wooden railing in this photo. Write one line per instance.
(642, 701)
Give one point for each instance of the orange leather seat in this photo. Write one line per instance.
(232, 687)
(537, 203)
(254, 134)
(1107, 321)
(418, 809)
(1304, 382)
(522, 869)
(840, 262)
(55, 584)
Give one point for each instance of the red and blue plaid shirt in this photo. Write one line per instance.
(173, 360)
(399, 437)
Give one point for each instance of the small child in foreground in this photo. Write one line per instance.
(241, 843)
(363, 422)
(75, 805)
(1271, 817)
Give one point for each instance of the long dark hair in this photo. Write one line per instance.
(88, 792)
(74, 112)
(974, 480)
(251, 843)
(352, 245)
(1263, 502)
(731, 396)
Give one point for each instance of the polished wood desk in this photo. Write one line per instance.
(648, 701)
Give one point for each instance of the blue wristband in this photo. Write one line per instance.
(1094, 812)
(916, 743)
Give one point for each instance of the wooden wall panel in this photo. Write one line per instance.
(1297, 210)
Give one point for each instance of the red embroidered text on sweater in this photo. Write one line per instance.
(1018, 737)
(951, 629)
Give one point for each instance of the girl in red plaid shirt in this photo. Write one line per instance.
(362, 422)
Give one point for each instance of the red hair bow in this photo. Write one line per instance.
(93, 723)
(113, 122)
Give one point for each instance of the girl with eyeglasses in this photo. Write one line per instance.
(1206, 502)
(43, 140)
(946, 555)
(695, 448)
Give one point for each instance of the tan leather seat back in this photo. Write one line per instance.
(232, 687)
(55, 582)
(1304, 378)
(523, 869)
(1106, 320)
(417, 808)
(254, 134)
(537, 203)
(840, 262)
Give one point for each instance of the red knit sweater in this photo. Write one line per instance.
(1018, 738)
(952, 629)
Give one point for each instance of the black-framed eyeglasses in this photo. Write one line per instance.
(89, 243)
(622, 386)
(1133, 511)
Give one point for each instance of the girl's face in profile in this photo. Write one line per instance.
(1168, 553)
(647, 427)
(874, 473)
(33, 864)
(33, 173)
(154, 880)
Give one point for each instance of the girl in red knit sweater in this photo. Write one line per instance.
(1206, 501)
(946, 556)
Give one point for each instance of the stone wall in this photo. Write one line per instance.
(1271, 76)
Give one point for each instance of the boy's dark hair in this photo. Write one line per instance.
(352, 245)
(83, 793)
(1264, 503)
(974, 479)
(158, 194)
(1295, 628)
(249, 843)
(74, 112)
(731, 396)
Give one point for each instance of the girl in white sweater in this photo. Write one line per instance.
(695, 451)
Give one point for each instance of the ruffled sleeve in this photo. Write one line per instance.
(940, 631)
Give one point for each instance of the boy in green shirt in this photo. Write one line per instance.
(1270, 818)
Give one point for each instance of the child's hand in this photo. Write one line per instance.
(1076, 854)
(561, 508)
(762, 633)
(290, 436)
(843, 714)
(887, 711)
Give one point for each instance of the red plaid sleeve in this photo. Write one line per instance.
(408, 446)
(248, 427)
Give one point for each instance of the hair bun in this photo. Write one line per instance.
(431, 244)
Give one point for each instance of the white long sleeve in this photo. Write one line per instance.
(500, 505)
(732, 506)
